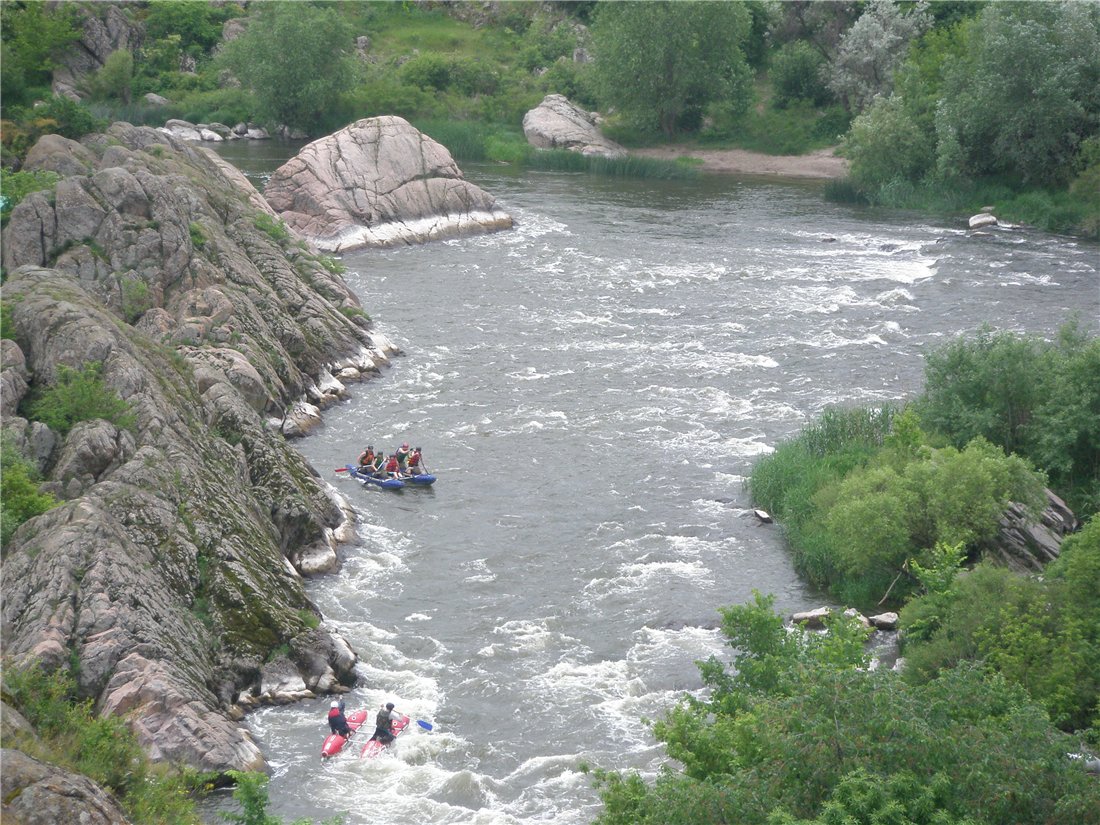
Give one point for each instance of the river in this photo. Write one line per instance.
(592, 389)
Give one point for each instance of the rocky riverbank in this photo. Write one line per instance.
(169, 576)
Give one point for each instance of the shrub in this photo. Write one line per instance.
(17, 185)
(427, 71)
(78, 395)
(795, 74)
(274, 228)
(19, 494)
(102, 748)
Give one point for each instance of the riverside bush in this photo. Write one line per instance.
(794, 731)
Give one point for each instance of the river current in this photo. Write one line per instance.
(592, 389)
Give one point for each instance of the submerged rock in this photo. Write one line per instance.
(379, 182)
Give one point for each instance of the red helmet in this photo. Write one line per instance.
(405, 446)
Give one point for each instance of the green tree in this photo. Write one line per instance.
(1023, 94)
(795, 74)
(115, 79)
(872, 49)
(808, 734)
(297, 60)
(34, 36)
(197, 24)
(657, 61)
(886, 143)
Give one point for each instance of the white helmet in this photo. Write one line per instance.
(334, 705)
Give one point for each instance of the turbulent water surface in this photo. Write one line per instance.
(592, 389)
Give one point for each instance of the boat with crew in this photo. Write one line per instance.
(373, 747)
(334, 742)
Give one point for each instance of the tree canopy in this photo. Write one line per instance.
(663, 60)
(297, 60)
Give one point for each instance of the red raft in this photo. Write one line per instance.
(374, 747)
(334, 742)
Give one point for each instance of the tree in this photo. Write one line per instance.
(656, 61)
(794, 729)
(886, 143)
(796, 74)
(820, 24)
(34, 35)
(1024, 94)
(873, 49)
(297, 60)
(116, 77)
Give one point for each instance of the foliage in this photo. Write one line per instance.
(1038, 95)
(197, 25)
(57, 115)
(102, 748)
(1041, 633)
(660, 60)
(1036, 398)
(872, 49)
(862, 495)
(796, 74)
(886, 143)
(34, 35)
(115, 79)
(297, 60)
(274, 228)
(17, 185)
(819, 24)
(19, 496)
(793, 730)
(77, 395)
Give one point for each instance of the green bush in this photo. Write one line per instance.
(19, 494)
(274, 228)
(796, 75)
(77, 395)
(793, 730)
(102, 748)
(427, 71)
(17, 185)
(1040, 633)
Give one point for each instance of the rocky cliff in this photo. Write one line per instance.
(169, 576)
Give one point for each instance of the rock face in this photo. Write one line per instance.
(1026, 545)
(171, 570)
(105, 29)
(558, 124)
(379, 182)
(39, 794)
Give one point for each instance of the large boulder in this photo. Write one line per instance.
(36, 793)
(379, 182)
(558, 124)
(171, 569)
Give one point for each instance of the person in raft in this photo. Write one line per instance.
(416, 462)
(366, 458)
(337, 722)
(376, 466)
(383, 724)
(403, 456)
(393, 466)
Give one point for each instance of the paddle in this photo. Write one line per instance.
(343, 469)
(423, 724)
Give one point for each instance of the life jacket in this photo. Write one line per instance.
(382, 720)
(414, 459)
(392, 465)
(333, 713)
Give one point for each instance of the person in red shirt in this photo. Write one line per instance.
(393, 466)
(337, 722)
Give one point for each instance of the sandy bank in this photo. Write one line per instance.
(822, 164)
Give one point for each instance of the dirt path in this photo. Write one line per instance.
(822, 164)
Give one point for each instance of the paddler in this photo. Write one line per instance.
(383, 724)
(393, 466)
(403, 456)
(366, 458)
(337, 722)
(416, 466)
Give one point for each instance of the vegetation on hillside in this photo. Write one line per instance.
(892, 81)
